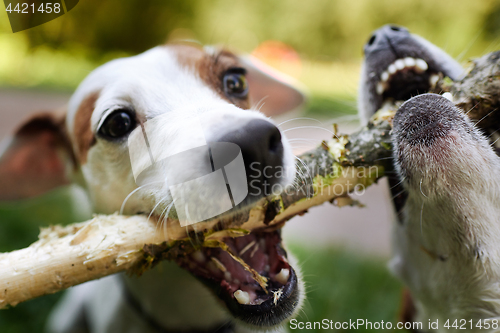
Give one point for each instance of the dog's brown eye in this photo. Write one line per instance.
(117, 124)
(235, 83)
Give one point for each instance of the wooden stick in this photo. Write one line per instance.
(67, 256)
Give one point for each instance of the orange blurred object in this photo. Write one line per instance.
(280, 56)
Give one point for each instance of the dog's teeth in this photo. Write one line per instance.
(227, 276)
(267, 268)
(380, 88)
(282, 276)
(242, 297)
(392, 69)
(421, 64)
(433, 79)
(198, 256)
(409, 62)
(384, 76)
(448, 96)
(400, 64)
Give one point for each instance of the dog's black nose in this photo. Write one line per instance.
(385, 38)
(262, 151)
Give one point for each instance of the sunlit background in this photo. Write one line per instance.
(318, 42)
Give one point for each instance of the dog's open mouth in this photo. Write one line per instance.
(405, 78)
(251, 274)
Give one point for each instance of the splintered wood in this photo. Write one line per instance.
(67, 256)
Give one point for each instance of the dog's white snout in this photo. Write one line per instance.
(203, 179)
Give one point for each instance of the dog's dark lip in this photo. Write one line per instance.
(267, 307)
(268, 313)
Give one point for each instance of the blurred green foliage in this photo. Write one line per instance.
(60, 53)
(342, 286)
(20, 221)
(316, 28)
(20, 224)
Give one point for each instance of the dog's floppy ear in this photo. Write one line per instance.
(36, 159)
(277, 91)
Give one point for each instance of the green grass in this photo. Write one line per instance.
(342, 286)
(327, 107)
(20, 221)
(19, 227)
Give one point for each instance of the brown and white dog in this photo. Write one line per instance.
(88, 145)
(446, 188)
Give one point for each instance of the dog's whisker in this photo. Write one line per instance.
(493, 143)
(303, 172)
(298, 118)
(470, 45)
(164, 222)
(306, 169)
(187, 226)
(309, 126)
(345, 119)
(397, 184)
(492, 133)
(480, 120)
(420, 187)
(297, 148)
(397, 194)
(384, 158)
(134, 191)
(154, 209)
(306, 143)
(260, 103)
(312, 141)
(489, 113)
(299, 181)
(472, 108)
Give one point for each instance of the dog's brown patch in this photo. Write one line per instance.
(210, 68)
(83, 132)
(408, 311)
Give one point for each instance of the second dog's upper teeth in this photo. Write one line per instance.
(408, 62)
(400, 64)
(421, 64)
